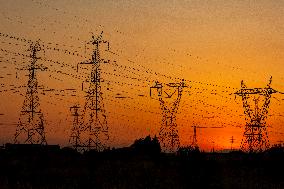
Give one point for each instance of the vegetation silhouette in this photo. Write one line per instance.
(141, 165)
(188, 151)
(147, 146)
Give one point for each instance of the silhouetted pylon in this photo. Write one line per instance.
(75, 140)
(168, 135)
(30, 128)
(95, 128)
(255, 137)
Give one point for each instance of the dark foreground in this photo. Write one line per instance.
(65, 169)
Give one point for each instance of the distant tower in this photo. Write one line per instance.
(30, 128)
(255, 138)
(75, 132)
(168, 135)
(232, 140)
(194, 140)
(95, 128)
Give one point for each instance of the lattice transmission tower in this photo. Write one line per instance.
(31, 125)
(75, 140)
(94, 133)
(255, 137)
(168, 135)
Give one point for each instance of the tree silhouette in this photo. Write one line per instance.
(147, 146)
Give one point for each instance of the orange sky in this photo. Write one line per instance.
(207, 42)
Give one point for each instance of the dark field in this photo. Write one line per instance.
(66, 169)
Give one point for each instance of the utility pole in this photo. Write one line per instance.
(255, 137)
(168, 135)
(30, 128)
(94, 115)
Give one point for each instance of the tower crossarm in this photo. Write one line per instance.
(157, 86)
(260, 91)
(177, 85)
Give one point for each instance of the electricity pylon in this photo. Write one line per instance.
(255, 137)
(75, 140)
(94, 116)
(30, 128)
(168, 135)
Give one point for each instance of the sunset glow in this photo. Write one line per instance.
(213, 45)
